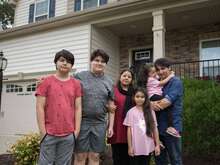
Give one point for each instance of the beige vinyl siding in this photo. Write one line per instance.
(106, 40)
(35, 53)
(22, 11)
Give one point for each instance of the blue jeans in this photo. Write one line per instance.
(172, 153)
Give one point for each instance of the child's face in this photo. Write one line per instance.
(98, 65)
(126, 78)
(153, 72)
(139, 98)
(63, 65)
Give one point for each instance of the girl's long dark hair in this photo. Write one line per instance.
(150, 124)
(144, 75)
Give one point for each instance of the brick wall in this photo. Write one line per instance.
(181, 44)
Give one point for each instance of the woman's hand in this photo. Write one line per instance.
(111, 107)
(130, 151)
(157, 150)
(110, 132)
(39, 80)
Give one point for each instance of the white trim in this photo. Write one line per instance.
(200, 53)
(135, 48)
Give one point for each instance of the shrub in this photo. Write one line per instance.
(201, 118)
(26, 150)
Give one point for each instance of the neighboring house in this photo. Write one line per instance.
(132, 32)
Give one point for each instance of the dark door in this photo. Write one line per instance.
(139, 58)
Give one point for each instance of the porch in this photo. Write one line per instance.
(182, 32)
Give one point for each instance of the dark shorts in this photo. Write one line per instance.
(91, 138)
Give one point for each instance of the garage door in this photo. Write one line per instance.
(18, 108)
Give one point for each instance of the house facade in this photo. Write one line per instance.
(132, 32)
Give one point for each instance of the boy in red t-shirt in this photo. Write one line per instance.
(59, 112)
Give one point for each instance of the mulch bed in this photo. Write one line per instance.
(7, 159)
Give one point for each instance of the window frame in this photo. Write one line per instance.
(35, 10)
(82, 5)
(201, 73)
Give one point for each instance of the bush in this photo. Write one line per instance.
(26, 150)
(201, 118)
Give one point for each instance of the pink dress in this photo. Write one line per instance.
(141, 143)
(153, 87)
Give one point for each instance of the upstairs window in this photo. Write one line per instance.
(41, 10)
(85, 4)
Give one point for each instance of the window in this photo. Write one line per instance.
(12, 88)
(31, 87)
(41, 10)
(210, 51)
(85, 4)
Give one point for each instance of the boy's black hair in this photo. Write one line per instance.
(99, 52)
(164, 62)
(65, 54)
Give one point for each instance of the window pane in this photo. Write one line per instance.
(90, 3)
(102, 2)
(210, 50)
(42, 8)
(77, 5)
(41, 18)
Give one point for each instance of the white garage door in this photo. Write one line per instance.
(18, 108)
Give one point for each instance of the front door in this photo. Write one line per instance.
(139, 58)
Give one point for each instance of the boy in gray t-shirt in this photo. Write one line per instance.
(97, 94)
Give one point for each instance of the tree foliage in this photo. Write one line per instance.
(6, 13)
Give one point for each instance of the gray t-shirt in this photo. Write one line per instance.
(97, 90)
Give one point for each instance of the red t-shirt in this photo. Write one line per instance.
(60, 104)
(120, 131)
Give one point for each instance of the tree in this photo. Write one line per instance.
(6, 14)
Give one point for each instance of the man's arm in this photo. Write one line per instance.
(161, 104)
(40, 106)
(78, 115)
(166, 80)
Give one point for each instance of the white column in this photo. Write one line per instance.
(159, 34)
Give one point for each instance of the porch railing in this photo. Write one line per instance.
(203, 69)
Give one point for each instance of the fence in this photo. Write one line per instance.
(204, 69)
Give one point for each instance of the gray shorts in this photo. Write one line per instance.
(56, 150)
(91, 138)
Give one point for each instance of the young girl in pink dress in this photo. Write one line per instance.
(142, 133)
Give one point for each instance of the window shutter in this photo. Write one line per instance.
(31, 13)
(102, 2)
(52, 8)
(77, 5)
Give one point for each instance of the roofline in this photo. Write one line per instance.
(88, 16)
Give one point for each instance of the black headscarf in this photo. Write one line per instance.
(128, 100)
